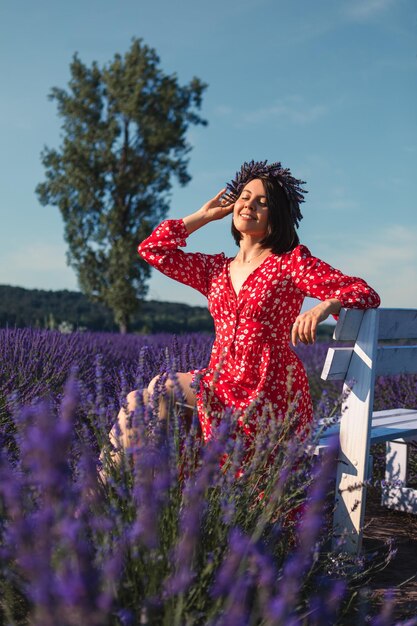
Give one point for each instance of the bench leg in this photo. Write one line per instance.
(395, 494)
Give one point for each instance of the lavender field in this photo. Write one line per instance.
(173, 532)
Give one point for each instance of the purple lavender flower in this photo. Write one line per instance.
(48, 538)
(178, 524)
(297, 565)
(195, 489)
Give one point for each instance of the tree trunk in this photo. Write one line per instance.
(123, 327)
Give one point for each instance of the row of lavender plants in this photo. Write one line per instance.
(170, 531)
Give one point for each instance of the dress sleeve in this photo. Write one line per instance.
(161, 250)
(318, 279)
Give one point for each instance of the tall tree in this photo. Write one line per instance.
(123, 139)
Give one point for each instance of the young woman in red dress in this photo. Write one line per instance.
(255, 300)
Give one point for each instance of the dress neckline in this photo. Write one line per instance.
(255, 269)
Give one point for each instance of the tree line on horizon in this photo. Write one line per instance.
(71, 310)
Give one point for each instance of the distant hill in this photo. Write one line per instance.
(71, 310)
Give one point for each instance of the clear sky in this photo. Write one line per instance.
(327, 87)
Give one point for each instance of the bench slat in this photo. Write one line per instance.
(390, 360)
(393, 324)
(387, 433)
(379, 435)
(393, 360)
(400, 411)
(385, 426)
(390, 432)
(395, 419)
(397, 324)
(336, 363)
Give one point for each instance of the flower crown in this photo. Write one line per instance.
(260, 169)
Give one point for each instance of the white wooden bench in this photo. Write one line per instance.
(359, 426)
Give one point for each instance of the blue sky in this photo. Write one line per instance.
(327, 87)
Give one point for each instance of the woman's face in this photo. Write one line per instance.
(250, 213)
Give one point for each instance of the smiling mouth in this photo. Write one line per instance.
(247, 216)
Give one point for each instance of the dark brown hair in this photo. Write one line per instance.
(281, 235)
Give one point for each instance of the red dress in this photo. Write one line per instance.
(252, 366)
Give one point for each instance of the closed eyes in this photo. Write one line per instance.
(262, 201)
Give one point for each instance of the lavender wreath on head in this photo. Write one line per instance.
(260, 169)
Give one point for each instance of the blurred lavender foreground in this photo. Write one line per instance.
(177, 534)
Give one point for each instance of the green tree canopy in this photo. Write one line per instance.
(123, 139)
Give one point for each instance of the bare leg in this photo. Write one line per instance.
(120, 433)
(168, 399)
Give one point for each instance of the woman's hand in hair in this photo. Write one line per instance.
(305, 325)
(215, 209)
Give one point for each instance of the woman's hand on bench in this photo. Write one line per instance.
(305, 326)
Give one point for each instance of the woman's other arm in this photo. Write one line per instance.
(318, 279)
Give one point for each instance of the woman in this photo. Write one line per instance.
(255, 300)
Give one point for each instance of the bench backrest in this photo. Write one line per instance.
(358, 366)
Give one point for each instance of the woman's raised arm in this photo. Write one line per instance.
(162, 248)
